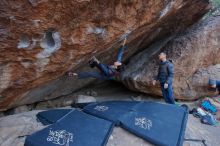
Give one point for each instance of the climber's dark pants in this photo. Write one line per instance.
(167, 93)
(104, 69)
(104, 73)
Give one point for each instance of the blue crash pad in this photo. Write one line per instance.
(110, 110)
(159, 124)
(74, 129)
(51, 116)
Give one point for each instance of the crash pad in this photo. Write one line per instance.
(110, 110)
(74, 129)
(159, 124)
(52, 116)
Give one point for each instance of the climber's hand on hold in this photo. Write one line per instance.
(125, 40)
(71, 74)
(154, 82)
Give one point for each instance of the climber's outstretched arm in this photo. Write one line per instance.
(121, 51)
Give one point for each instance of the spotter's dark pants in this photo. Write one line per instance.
(168, 93)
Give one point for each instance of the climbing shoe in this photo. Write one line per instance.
(71, 74)
(93, 62)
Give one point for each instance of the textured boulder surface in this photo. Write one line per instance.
(41, 39)
(196, 57)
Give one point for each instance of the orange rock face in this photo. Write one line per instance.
(40, 39)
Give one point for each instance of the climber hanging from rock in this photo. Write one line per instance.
(105, 72)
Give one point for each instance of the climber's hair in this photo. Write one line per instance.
(162, 53)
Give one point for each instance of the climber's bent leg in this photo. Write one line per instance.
(103, 68)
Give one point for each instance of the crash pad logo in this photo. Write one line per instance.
(60, 137)
(143, 123)
(101, 108)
